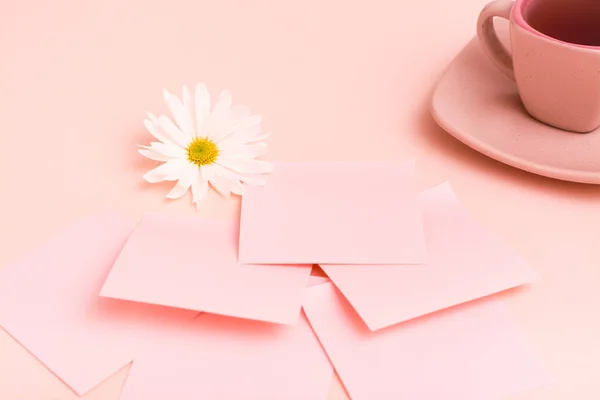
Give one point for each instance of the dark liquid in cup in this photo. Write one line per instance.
(572, 21)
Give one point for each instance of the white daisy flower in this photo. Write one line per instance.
(203, 147)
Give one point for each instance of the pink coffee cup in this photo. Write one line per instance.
(554, 58)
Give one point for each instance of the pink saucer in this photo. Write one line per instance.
(479, 106)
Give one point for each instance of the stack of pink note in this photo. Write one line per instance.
(408, 314)
(213, 308)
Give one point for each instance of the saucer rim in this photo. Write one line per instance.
(568, 175)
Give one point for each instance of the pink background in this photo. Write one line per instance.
(335, 80)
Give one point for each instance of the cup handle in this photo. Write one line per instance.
(489, 38)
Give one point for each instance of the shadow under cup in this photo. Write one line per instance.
(571, 21)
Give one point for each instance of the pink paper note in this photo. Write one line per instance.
(232, 359)
(317, 280)
(49, 303)
(471, 352)
(465, 262)
(191, 263)
(333, 213)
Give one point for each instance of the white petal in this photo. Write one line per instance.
(219, 113)
(260, 138)
(245, 165)
(249, 179)
(153, 177)
(233, 184)
(177, 191)
(247, 150)
(202, 100)
(245, 133)
(169, 150)
(255, 150)
(207, 171)
(154, 155)
(221, 185)
(236, 187)
(173, 131)
(223, 103)
(188, 176)
(252, 120)
(169, 171)
(217, 182)
(229, 124)
(181, 115)
(221, 127)
(199, 189)
(189, 107)
(155, 130)
(240, 113)
(174, 136)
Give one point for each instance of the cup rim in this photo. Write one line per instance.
(519, 19)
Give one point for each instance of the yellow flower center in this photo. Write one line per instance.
(202, 151)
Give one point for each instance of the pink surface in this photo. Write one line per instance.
(227, 358)
(316, 213)
(465, 262)
(479, 106)
(191, 263)
(335, 81)
(54, 290)
(471, 352)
